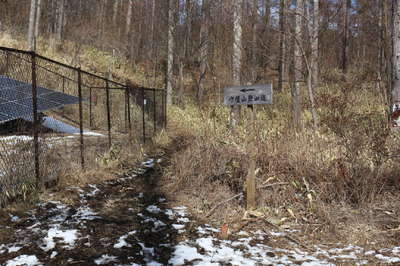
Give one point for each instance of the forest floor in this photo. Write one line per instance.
(130, 220)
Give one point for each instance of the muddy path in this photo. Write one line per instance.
(129, 221)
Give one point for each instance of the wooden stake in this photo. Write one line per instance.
(251, 186)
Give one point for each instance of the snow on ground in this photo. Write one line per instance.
(196, 244)
(24, 260)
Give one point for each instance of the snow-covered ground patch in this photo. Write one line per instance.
(26, 260)
(67, 237)
(105, 259)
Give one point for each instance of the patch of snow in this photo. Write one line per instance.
(153, 263)
(68, 237)
(85, 213)
(27, 260)
(178, 226)
(53, 254)
(183, 220)
(184, 254)
(14, 218)
(277, 233)
(105, 259)
(122, 240)
(153, 209)
(14, 249)
(370, 252)
(94, 191)
(149, 163)
(180, 210)
(148, 252)
(387, 259)
(396, 250)
(169, 213)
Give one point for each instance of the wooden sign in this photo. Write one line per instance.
(248, 95)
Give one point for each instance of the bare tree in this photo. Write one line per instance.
(115, 11)
(345, 35)
(237, 56)
(282, 45)
(128, 19)
(31, 29)
(254, 40)
(203, 49)
(314, 34)
(296, 103)
(37, 22)
(396, 58)
(170, 49)
(59, 22)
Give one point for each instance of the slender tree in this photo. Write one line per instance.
(37, 21)
(236, 55)
(296, 103)
(31, 29)
(314, 34)
(396, 56)
(128, 20)
(282, 45)
(170, 49)
(203, 49)
(346, 5)
(115, 11)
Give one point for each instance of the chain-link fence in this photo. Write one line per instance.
(54, 116)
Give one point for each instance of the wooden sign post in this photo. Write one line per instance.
(249, 95)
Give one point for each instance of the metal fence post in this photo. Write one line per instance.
(108, 114)
(128, 103)
(126, 110)
(81, 118)
(155, 112)
(90, 107)
(162, 109)
(143, 120)
(39, 180)
(63, 84)
(165, 109)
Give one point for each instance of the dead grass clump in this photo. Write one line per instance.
(349, 161)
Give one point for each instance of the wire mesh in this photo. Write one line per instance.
(64, 118)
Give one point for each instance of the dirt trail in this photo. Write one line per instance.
(128, 221)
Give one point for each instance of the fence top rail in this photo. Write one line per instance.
(60, 64)
(119, 85)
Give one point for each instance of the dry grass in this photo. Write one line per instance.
(350, 161)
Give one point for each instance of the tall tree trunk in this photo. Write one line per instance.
(152, 32)
(254, 41)
(115, 12)
(128, 20)
(203, 49)
(267, 18)
(314, 45)
(237, 56)
(37, 22)
(296, 102)
(171, 48)
(381, 51)
(396, 61)
(188, 43)
(31, 29)
(60, 22)
(345, 35)
(282, 35)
